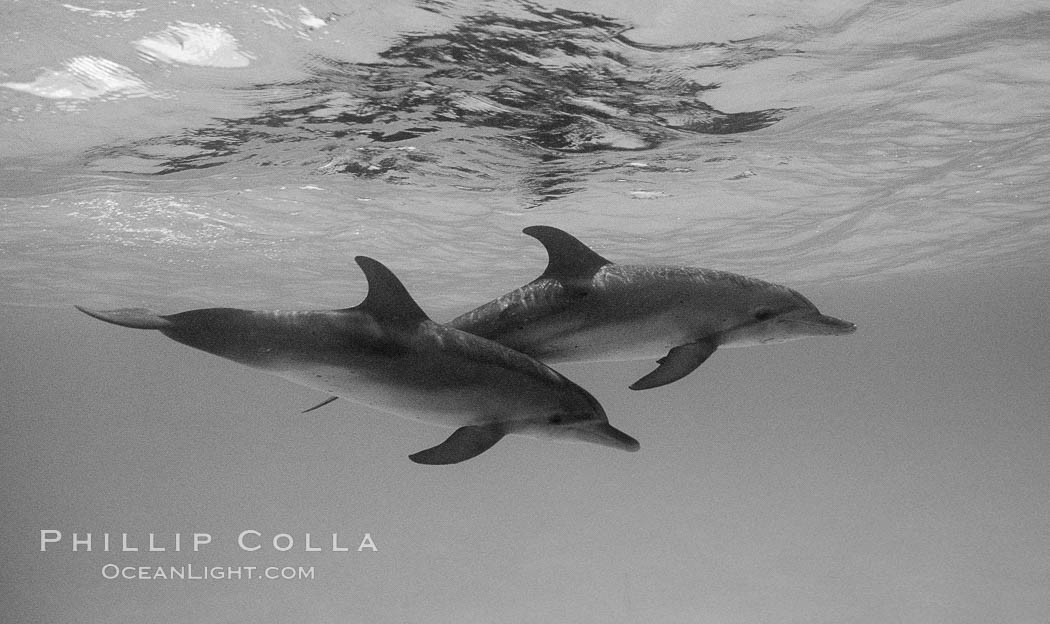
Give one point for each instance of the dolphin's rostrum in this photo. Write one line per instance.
(387, 354)
(586, 308)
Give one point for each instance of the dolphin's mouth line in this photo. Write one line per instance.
(844, 327)
(827, 324)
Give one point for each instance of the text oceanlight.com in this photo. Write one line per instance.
(192, 572)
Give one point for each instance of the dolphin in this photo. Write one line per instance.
(586, 308)
(387, 354)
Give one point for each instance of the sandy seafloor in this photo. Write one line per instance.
(886, 159)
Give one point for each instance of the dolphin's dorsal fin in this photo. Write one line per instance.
(464, 443)
(387, 298)
(568, 258)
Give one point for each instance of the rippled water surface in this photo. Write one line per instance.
(889, 159)
(245, 148)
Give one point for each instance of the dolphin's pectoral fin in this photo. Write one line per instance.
(321, 404)
(464, 443)
(679, 362)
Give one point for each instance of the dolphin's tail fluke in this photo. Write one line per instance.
(136, 318)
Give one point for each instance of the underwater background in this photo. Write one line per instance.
(887, 159)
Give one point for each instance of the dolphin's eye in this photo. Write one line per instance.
(555, 419)
(763, 314)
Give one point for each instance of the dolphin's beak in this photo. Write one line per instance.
(832, 326)
(813, 323)
(605, 434)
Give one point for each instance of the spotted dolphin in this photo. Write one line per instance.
(387, 354)
(586, 308)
